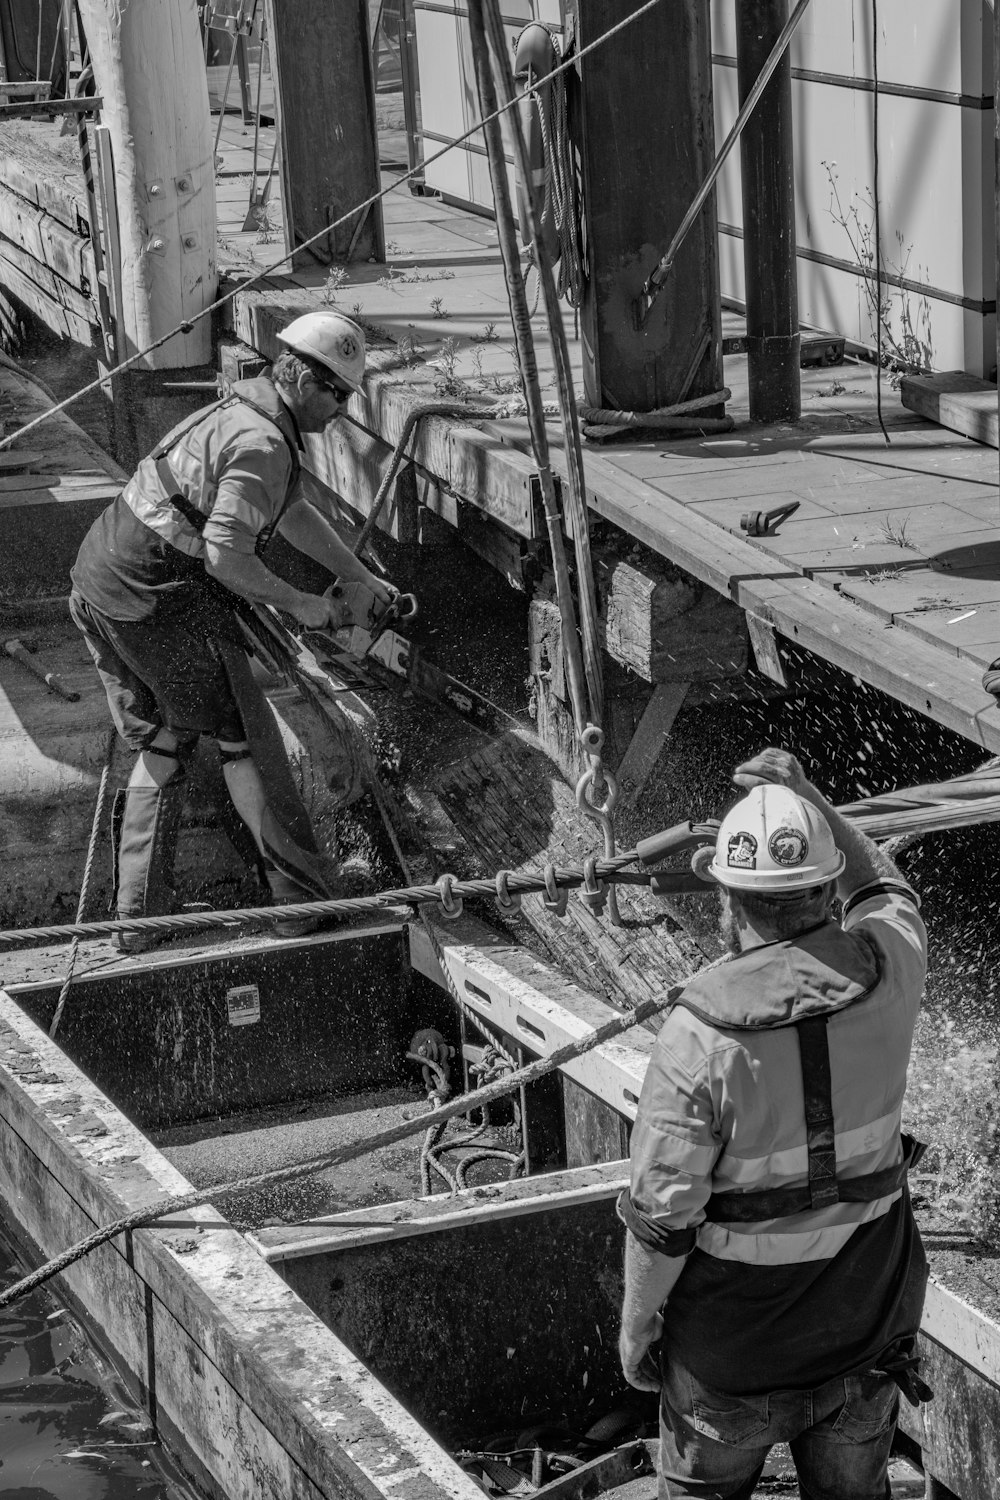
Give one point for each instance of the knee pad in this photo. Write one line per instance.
(229, 756)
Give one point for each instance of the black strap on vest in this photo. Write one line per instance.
(196, 518)
(823, 1187)
(817, 1092)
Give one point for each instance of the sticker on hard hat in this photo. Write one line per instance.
(742, 851)
(787, 846)
(348, 347)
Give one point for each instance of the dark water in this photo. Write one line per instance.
(55, 1393)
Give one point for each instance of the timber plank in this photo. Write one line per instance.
(487, 1204)
(956, 400)
(67, 254)
(59, 308)
(970, 630)
(814, 615)
(765, 480)
(44, 168)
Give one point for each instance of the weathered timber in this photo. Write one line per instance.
(43, 168)
(489, 1204)
(504, 551)
(325, 102)
(663, 66)
(164, 174)
(513, 810)
(352, 463)
(55, 302)
(816, 616)
(956, 400)
(665, 627)
(66, 253)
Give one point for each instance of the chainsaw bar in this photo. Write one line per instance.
(348, 649)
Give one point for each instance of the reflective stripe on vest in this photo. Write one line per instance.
(196, 518)
(823, 1187)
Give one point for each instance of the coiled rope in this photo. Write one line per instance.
(184, 1202)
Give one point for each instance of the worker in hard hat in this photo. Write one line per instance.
(774, 1275)
(154, 589)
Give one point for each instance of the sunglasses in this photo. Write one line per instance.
(341, 392)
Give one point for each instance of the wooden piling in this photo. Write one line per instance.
(642, 165)
(769, 218)
(325, 102)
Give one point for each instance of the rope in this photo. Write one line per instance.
(444, 891)
(877, 227)
(95, 828)
(195, 1197)
(524, 342)
(263, 276)
(560, 186)
(588, 716)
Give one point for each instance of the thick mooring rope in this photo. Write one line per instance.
(184, 1202)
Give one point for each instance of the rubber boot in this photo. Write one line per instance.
(145, 822)
(292, 875)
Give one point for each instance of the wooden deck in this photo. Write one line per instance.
(890, 566)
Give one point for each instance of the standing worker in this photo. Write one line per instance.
(772, 1251)
(156, 585)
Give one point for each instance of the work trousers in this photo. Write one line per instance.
(713, 1446)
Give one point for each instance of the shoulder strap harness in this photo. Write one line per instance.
(196, 518)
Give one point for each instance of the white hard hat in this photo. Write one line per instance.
(775, 841)
(332, 340)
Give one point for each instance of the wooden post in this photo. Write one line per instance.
(996, 177)
(325, 105)
(164, 176)
(642, 165)
(769, 218)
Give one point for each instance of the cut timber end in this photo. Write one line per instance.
(668, 629)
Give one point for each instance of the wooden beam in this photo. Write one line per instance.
(68, 254)
(59, 306)
(662, 64)
(493, 1203)
(964, 403)
(325, 104)
(663, 627)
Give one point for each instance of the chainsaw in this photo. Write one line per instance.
(366, 640)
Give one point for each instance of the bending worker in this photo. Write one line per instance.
(771, 1251)
(155, 587)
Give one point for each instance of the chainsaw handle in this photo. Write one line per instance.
(405, 607)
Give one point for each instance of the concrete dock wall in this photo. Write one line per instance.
(253, 1396)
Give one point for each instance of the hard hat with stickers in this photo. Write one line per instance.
(773, 840)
